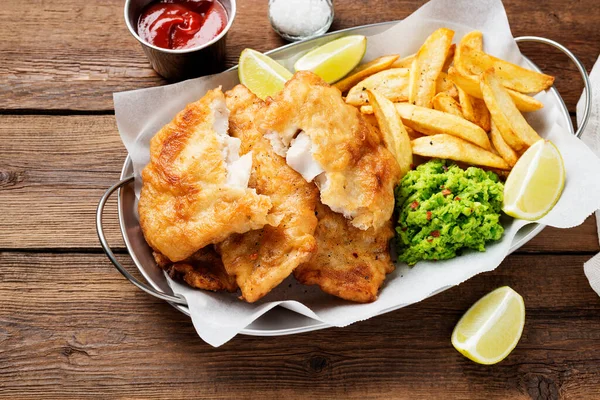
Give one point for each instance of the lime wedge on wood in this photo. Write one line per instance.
(261, 74)
(491, 328)
(334, 60)
(535, 182)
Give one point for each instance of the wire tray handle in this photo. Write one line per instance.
(111, 255)
(587, 85)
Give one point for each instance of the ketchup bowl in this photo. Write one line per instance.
(181, 63)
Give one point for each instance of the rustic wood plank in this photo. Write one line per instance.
(61, 165)
(73, 54)
(53, 171)
(94, 335)
(554, 240)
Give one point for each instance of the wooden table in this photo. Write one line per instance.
(72, 327)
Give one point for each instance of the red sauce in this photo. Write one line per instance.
(181, 24)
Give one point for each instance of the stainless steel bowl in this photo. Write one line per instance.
(185, 63)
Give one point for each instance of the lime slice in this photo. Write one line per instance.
(491, 328)
(535, 182)
(334, 60)
(261, 74)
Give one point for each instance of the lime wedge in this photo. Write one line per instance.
(334, 60)
(261, 74)
(535, 182)
(491, 328)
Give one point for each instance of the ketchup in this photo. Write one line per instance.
(181, 24)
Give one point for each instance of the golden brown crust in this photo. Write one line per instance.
(185, 203)
(350, 263)
(360, 172)
(203, 270)
(261, 259)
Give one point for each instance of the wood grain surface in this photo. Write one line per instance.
(71, 327)
(94, 336)
(86, 44)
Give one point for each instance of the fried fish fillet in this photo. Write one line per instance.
(194, 189)
(350, 263)
(203, 270)
(325, 139)
(261, 259)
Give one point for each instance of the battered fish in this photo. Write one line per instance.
(350, 263)
(194, 189)
(203, 270)
(327, 140)
(261, 259)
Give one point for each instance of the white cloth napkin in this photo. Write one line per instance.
(591, 137)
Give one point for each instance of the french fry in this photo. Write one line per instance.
(473, 39)
(444, 84)
(449, 58)
(433, 122)
(392, 83)
(405, 62)
(427, 65)
(466, 104)
(392, 130)
(509, 121)
(457, 149)
(412, 134)
(482, 114)
(363, 71)
(511, 75)
(470, 84)
(474, 110)
(446, 103)
(503, 149)
(367, 112)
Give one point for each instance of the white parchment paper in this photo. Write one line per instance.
(218, 317)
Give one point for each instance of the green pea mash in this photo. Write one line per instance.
(443, 209)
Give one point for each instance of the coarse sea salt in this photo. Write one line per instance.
(298, 19)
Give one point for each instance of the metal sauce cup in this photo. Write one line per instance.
(185, 63)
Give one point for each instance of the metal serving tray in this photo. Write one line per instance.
(278, 321)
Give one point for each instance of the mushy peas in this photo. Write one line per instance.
(443, 209)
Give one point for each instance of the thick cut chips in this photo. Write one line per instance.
(511, 123)
(363, 71)
(427, 65)
(433, 122)
(391, 83)
(446, 103)
(511, 75)
(453, 148)
(470, 84)
(503, 149)
(394, 134)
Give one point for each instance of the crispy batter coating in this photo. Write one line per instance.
(350, 263)
(203, 270)
(261, 259)
(188, 198)
(359, 172)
